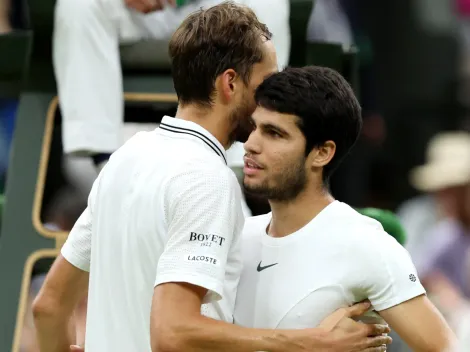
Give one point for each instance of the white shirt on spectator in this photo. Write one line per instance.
(166, 208)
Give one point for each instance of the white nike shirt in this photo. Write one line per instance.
(166, 208)
(339, 258)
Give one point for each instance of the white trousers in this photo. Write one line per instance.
(87, 34)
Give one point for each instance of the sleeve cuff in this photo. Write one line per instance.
(75, 259)
(215, 288)
(398, 300)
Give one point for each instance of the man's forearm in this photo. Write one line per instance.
(419, 323)
(53, 307)
(211, 335)
(52, 332)
(80, 321)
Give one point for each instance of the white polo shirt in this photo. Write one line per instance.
(166, 208)
(339, 258)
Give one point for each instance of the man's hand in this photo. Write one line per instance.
(348, 335)
(76, 348)
(146, 6)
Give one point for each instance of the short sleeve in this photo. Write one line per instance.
(77, 248)
(204, 219)
(390, 277)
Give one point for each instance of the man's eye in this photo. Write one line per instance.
(274, 133)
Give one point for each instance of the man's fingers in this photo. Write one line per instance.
(76, 348)
(358, 309)
(378, 341)
(376, 349)
(332, 320)
(377, 329)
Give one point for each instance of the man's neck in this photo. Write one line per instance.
(289, 217)
(210, 119)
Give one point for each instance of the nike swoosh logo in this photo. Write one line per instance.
(261, 268)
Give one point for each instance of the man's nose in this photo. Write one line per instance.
(253, 145)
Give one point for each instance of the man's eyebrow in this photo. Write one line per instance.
(273, 127)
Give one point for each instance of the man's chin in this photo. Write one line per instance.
(254, 190)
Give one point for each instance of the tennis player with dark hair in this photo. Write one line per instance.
(313, 254)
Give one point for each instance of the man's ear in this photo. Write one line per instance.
(322, 155)
(226, 84)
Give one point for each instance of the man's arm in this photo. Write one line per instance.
(177, 325)
(80, 320)
(420, 325)
(392, 284)
(64, 286)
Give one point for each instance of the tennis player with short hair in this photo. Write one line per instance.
(313, 254)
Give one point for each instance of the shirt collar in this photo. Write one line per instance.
(179, 126)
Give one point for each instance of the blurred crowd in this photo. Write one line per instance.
(413, 157)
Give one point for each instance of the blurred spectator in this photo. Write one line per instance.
(439, 227)
(440, 186)
(418, 215)
(329, 23)
(87, 63)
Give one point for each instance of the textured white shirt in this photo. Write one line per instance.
(166, 208)
(337, 259)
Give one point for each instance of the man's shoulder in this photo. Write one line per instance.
(174, 152)
(183, 156)
(196, 170)
(201, 182)
(190, 151)
(359, 230)
(347, 218)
